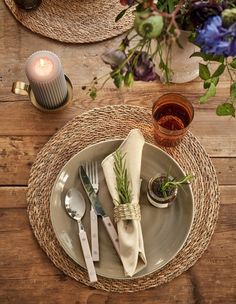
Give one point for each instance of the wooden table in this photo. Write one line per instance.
(26, 274)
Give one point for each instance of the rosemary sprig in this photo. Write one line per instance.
(122, 181)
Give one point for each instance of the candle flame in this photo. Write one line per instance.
(42, 62)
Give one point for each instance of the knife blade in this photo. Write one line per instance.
(94, 200)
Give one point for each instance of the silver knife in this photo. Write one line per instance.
(94, 200)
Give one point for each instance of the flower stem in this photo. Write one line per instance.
(228, 69)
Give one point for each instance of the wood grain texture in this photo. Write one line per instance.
(25, 269)
(26, 273)
(19, 152)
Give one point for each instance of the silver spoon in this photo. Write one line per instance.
(75, 207)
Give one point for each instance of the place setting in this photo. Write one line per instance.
(80, 220)
(126, 245)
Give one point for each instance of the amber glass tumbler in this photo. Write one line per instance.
(172, 114)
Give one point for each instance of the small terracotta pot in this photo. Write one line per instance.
(155, 199)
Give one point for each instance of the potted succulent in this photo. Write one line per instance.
(163, 31)
(163, 188)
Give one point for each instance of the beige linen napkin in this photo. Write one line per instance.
(129, 231)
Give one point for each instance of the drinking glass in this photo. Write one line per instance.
(28, 4)
(172, 114)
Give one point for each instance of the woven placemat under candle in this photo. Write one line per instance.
(74, 21)
(109, 123)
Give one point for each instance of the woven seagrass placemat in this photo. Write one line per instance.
(109, 123)
(74, 21)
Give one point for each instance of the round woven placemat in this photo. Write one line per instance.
(108, 123)
(74, 21)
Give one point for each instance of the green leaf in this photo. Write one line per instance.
(233, 91)
(179, 44)
(140, 8)
(93, 93)
(215, 80)
(197, 54)
(129, 79)
(192, 38)
(225, 109)
(208, 82)
(208, 57)
(219, 71)
(217, 58)
(118, 80)
(233, 63)
(120, 15)
(171, 6)
(209, 93)
(204, 72)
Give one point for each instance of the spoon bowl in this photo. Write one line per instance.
(75, 207)
(75, 204)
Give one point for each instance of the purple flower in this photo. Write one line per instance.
(200, 11)
(127, 2)
(143, 67)
(215, 39)
(114, 58)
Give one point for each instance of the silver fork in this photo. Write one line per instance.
(91, 169)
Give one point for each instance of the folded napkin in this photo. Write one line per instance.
(128, 224)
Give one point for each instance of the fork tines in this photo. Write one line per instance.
(91, 169)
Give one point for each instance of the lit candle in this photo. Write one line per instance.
(47, 80)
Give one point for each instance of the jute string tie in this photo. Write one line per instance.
(127, 212)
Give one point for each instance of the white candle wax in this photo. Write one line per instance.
(47, 81)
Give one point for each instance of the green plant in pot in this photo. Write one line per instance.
(163, 189)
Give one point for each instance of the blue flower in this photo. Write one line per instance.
(215, 39)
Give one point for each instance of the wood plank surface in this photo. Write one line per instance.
(31, 267)
(26, 274)
(15, 196)
(19, 152)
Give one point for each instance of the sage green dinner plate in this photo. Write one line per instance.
(164, 230)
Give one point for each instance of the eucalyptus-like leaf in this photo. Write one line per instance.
(225, 109)
(204, 72)
(219, 71)
(209, 93)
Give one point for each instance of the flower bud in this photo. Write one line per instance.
(148, 27)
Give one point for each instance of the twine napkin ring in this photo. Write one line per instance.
(127, 212)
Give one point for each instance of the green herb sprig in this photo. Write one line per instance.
(170, 184)
(122, 181)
